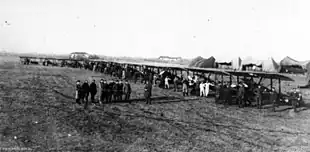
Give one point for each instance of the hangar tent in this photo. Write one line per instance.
(236, 63)
(289, 65)
(222, 64)
(206, 63)
(270, 65)
(250, 63)
(194, 61)
(304, 63)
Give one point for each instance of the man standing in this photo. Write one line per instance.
(185, 87)
(273, 99)
(115, 90)
(109, 91)
(217, 92)
(175, 83)
(127, 91)
(120, 91)
(148, 92)
(202, 89)
(78, 92)
(101, 94)
(85, 87)
(207, 88)
(258, 96)
(167, 82)
(295, 97)
(93, 91)
(154, 79)
(241, 92)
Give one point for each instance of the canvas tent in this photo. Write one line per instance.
(289, 65)
(250, 63)
(194, 61)
(288, 61)
(206, 63)
(236, 63)
(304, 64)
(270, 65)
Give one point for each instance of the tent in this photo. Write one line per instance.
(304, 63)
(289, 65)
(206, 63)
(288, 61)
(270, 65)
(194, 61)
(250, 63)
(236, 63)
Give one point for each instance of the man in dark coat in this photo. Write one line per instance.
(217, 92)
(258, 96)
(227, 94)
(93, 91)
(295, 99)
(185, 87)
(85, 87)
(241, 92)
(148, 92)
(127, 91)
(78, 92)
(175, 83)
(114, 91)
(273, 99)
(109, 91)
(120, 90)
(105, 87)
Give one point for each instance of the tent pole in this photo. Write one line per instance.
(271, 84)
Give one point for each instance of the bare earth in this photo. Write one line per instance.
(37, 107)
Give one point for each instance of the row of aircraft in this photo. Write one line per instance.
(223, 75)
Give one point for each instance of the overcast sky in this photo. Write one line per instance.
(150, 28)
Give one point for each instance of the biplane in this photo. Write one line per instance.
(211, 74)
(251, 76)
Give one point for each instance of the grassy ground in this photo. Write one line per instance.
(38, 112)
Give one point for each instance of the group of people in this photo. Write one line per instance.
(108, 92)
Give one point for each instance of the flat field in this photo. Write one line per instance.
(38, 112)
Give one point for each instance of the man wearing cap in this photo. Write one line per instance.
(78, 92)
(85, 87)
(241, 92)
(217, 92)
(273, 98)
(175, 83)
(120, 91)
(109, 91)
(258, 96)
(104, 91)
(93, 91)
(127, 91)
(114, 91)
(148, 92)
(185, 87)
(101, 94)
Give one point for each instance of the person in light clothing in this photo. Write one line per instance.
(167, 82)
(202, 89)
(207, 88)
